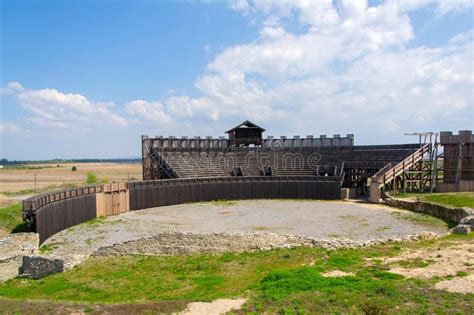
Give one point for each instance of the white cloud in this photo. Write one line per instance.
(345, 67)
(191, 107)
(11, 88)
(442, 7)
(352, 65)
(54, 109)
(7, 128)
(15, 86)
(239, 5)
(148, 111)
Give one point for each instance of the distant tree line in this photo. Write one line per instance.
(59, 161)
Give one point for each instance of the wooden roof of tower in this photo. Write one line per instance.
(247, 123)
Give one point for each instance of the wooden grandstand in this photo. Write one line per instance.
(251, 155)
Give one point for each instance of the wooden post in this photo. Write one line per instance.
(394, 182)
(458, 168)
(404, 179)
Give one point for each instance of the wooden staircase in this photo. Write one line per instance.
(389, 173)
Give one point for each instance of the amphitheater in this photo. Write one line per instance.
(246, 192)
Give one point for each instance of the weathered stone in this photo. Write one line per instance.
(182, 243)
(469, 220)
(19, 244)
(445, 213)
(37, 267)
(9, 267)
(461, 229)
(12, 249)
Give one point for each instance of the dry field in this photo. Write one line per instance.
(16, 180)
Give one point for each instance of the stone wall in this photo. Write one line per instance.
(448, 214)
(12, 249)
(180, 243)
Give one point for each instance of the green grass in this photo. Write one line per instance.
(448, 199)
(414, 263)
(96, 221)
(25, 167)
(31, 191)
(420, 218)
(46, 248)
(276, 281)
(11, 218)
(452, 199)
(23, 192)
(224, 202)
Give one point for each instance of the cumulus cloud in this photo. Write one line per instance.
(346, 66)
(185, 106)
(148, 111)
(11, 88)
(52, 108)
(353, 63)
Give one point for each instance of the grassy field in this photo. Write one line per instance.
(11, 220)
(282, 281)
(464, 199)
(21, 179)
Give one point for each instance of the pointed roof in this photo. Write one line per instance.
(248, 124)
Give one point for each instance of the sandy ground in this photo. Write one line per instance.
(17, 180)
(318, 219)
(216, 307)
(446, 262)
(337, 273)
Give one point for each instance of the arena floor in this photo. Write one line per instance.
(317, 219)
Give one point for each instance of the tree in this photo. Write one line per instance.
(91, 178)
(74, 169)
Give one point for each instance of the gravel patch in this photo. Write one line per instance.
(320, 220)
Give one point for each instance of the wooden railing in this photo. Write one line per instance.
(52, 212)
(388, 173)
(33, 203)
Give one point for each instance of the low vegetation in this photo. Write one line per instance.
(31, 191)
(11, 218)
(46, 248)
(96, 221)
(20, 167)
(91, 178)
(419, 218)
(455, 200)
(278, 281)
(449, 199)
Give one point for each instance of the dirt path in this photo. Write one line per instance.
(216, 307)
(453, 265)
(8, 306)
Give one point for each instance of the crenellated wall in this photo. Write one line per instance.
(458, 157)
(271, 142)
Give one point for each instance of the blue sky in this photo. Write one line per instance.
(86, 78)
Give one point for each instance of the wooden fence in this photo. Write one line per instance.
(62, 214)
(157, 193)
(50, 213)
